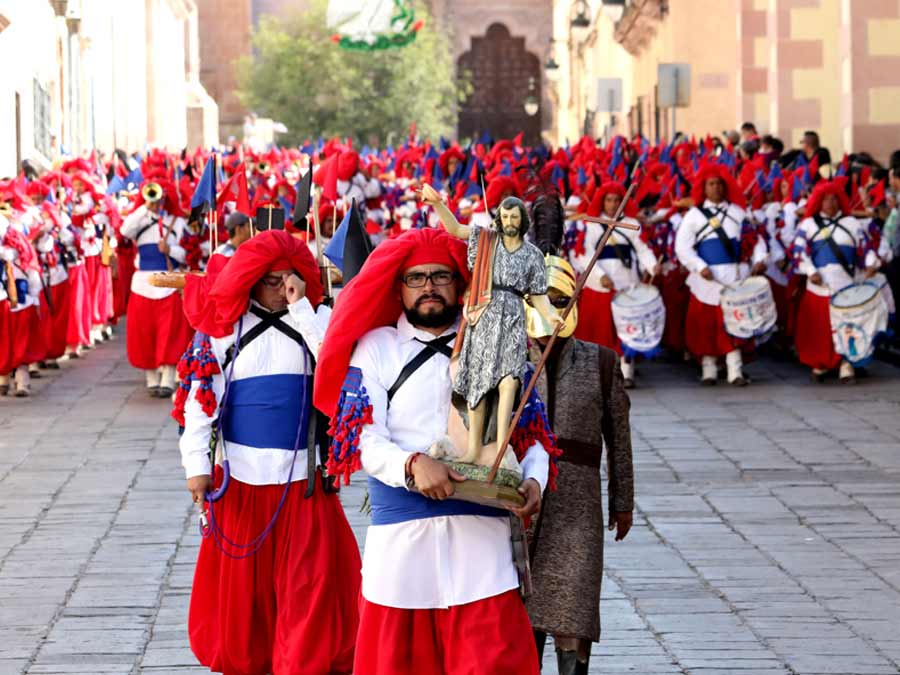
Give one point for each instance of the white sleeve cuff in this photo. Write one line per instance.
(536, 465)
(301, 310)
(196, 465)
(872, 259)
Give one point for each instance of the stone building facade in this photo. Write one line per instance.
(503, 45)
(832, 66)
(84, 74)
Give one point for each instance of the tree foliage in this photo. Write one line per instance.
(299, 77)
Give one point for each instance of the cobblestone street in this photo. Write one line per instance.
(767, 536)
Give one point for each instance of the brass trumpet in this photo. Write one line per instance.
(152, 192)
(262, 167)
(5, 209)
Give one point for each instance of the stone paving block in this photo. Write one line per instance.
(179, 656)
(12, 664)
(80, 668)
(767, 537)
(91, 641)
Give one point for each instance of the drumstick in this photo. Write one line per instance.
(603, 220)
(579, 286)
(724, 285)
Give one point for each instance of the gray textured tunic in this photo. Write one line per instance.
(496, 345)
(567, 557)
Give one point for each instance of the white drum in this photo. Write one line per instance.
(882, 282)
(749, 308)
(859, 314)
(640, 318)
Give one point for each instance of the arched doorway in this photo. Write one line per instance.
(502, 70)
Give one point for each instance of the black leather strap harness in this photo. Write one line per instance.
(439, 345)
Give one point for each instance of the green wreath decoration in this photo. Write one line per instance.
(404, 29)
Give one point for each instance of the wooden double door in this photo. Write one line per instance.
(504, 74)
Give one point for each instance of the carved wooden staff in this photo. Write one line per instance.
(11, 292)
(324, 267)
(165, 240)
(611, 224)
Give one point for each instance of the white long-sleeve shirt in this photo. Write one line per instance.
(780, 239)
(435, 562)
(847, 233)
(622, 276)
(271, 353)
(694, 231)
(135, 227)
(57, 274)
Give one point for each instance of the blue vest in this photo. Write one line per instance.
(822, 254)
(152, 260)
(617, 251)
(713, 251)
(21, 290)
(266, 411)
(392, 505)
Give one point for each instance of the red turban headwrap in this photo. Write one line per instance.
(213, 305)
(37, 189)
(610, 188)
(836, 187)
(733, 191)
(499, 186)
(447, 155)
(372, 300)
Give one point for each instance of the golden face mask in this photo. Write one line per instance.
(560, 287)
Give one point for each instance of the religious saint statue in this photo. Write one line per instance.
(505, 270)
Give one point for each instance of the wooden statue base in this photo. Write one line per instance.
(501, 494)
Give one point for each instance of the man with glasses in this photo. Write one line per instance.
(439, 590)
(277, 578)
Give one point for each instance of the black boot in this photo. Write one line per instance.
(581, 667)
(540, 641)
(568, 662)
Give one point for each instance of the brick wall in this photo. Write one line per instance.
(225, 31)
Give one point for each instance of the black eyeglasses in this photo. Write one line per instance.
(419, 279)
(272, 282)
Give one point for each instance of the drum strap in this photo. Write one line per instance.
(625, 259)
(720, 233)
(157, 221)
(317, 437)
(439, 345)
(266, 320)
(142, 230)
(45, 285)
(832, 244)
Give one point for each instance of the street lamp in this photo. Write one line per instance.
(551, 66)
(614, 9)
(531, 105)
(582, 19)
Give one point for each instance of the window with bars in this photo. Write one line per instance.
(41, 119)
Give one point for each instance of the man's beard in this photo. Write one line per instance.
(510, 230)
(444, 317)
